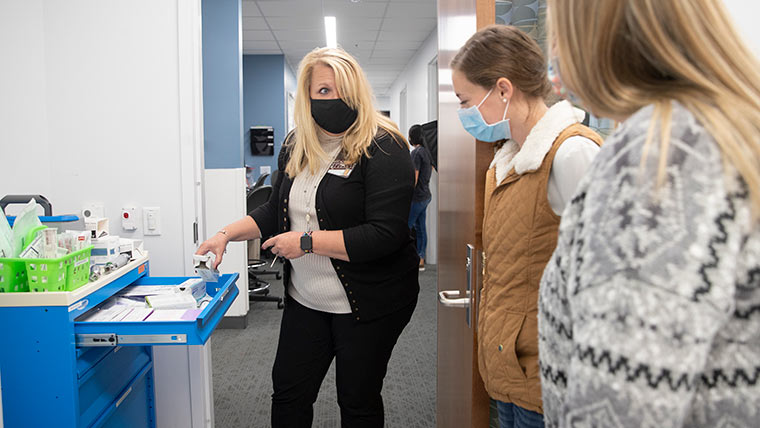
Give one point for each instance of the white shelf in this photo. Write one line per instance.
(66, 298)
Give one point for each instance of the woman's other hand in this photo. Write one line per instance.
(217, 244)
(286, 245)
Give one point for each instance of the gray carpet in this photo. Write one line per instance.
(242, 362)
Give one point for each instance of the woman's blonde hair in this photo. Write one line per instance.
(620, 55)
(354, 89)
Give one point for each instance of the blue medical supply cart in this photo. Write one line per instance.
(60, 372)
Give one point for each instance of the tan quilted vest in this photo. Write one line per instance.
(519, 236)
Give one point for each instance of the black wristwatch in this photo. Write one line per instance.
(306, 244)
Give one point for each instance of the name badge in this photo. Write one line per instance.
(340, 169)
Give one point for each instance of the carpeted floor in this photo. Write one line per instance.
(242, 362)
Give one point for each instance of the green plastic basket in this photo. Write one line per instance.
(66, 273)
(13, 276)
(78, 271)
(13, 270)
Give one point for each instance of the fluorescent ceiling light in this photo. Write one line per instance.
(330, 30)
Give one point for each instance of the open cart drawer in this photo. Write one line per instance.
(192, 329)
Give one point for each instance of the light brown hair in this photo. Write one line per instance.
(504, 51)
(619, 56)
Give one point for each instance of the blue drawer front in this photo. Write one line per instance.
(192, 332)
(134, 408)
(89, 358)
(103, 384)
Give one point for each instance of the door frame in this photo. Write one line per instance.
(190, 91)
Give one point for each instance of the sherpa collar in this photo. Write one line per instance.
(538, 143)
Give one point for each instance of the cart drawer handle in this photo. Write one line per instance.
(123, 396)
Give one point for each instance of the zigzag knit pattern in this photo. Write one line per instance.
(649, 311)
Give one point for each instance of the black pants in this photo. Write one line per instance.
(309, 340)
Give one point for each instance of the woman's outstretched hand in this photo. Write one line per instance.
(216, 244)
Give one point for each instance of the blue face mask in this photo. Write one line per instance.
(473, 122)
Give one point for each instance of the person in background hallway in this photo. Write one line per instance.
(500, 77)
(650, 307)
(338, 216)
(423, 166)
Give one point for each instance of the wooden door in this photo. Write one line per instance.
(461, 398)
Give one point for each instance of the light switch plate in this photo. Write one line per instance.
(151, 221)
(265, 169)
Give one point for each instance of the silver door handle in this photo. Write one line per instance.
(453, 299)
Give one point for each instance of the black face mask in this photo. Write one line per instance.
(333, 116)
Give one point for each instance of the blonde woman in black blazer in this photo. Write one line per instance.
(338, 216)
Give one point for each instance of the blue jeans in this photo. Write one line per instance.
(512, 416)
(417, 222)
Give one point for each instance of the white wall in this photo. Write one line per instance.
(24, 93)
(383, 103)
(92, 111)
(745, 15)
(415, 79)
(224, 205)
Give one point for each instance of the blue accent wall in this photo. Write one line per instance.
(222, 84)
(264, 95)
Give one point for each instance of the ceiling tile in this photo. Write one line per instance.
(291, 8)
(357, 36)
(346, 8)
(258, 35)
(254, 23)
(358, 24)
(296, 23)
(301, 45)
(409, 24)
(396, 46)
(357, 46)
(250, 9)
(254, 45)
(409, 9)
(288, 35)
(411, 36)
(392, 53)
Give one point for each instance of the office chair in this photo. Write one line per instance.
(258, 290)
(260, 181)
(275, 176)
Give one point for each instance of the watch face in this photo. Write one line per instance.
(306, 242)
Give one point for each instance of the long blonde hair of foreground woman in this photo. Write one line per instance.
(619, 55)
(354, 89)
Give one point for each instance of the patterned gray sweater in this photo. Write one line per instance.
(649, 310)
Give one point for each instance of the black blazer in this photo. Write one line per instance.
(371, 207)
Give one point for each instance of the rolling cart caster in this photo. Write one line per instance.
(280, 305)
(278, 275)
